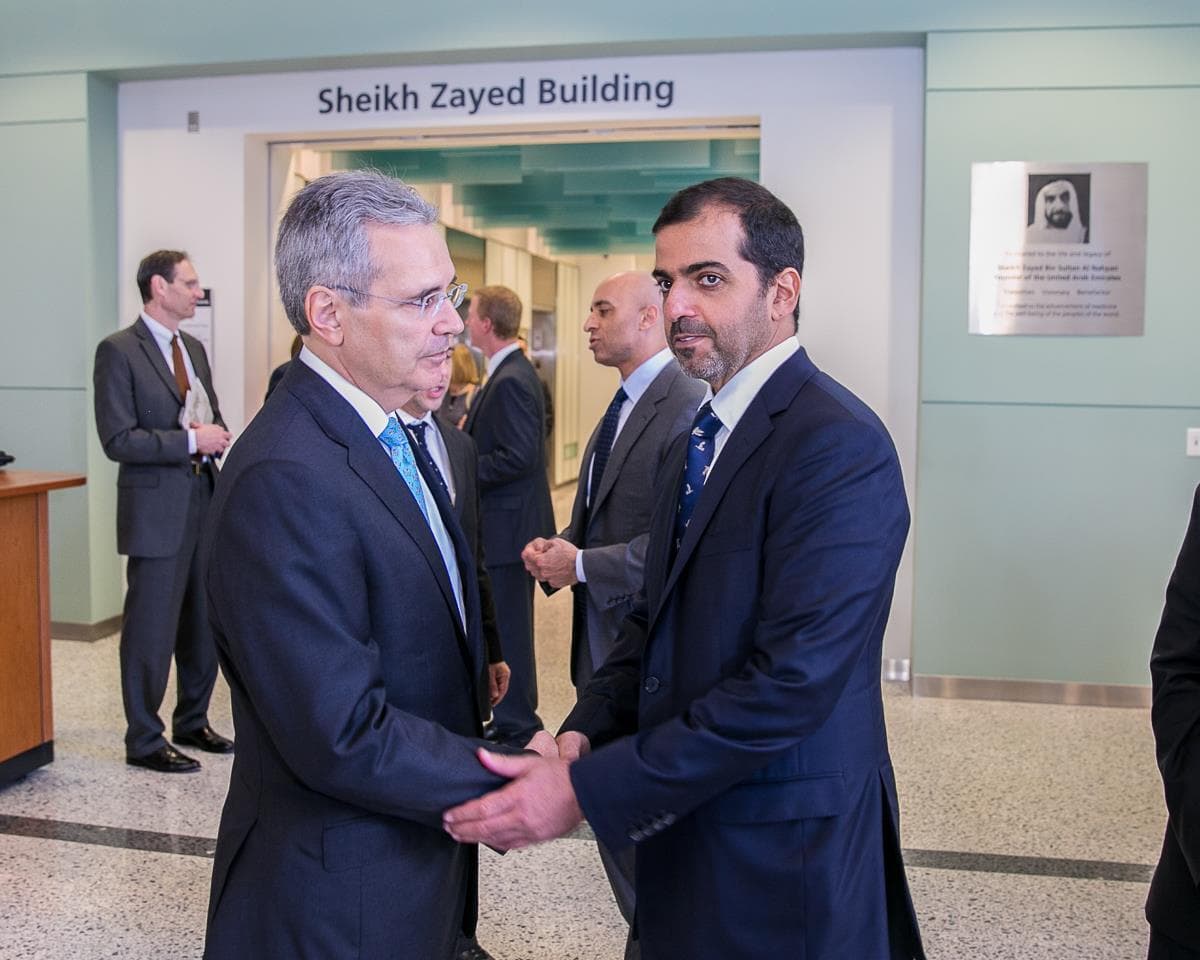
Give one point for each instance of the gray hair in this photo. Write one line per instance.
(322, 237)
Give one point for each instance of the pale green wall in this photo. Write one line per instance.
(148, 35)
(1053, 489)
(58, 197)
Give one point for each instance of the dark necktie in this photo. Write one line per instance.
(700, 450)
(604, 442)
(181, 377)
(417, 429)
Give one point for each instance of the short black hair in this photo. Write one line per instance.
(160, 263)
(771, 236)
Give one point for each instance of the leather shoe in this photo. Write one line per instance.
(166, 759)
(469, 949)
(490, 733)
(205, 739)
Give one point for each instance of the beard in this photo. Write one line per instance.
(1059, 219)
(707, 367)
(728, 353)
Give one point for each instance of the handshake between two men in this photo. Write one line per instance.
(537, 804)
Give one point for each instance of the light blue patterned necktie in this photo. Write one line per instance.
(396, 440)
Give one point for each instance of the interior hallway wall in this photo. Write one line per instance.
(58, 267)
(1053, 487)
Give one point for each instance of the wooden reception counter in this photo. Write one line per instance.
(26, 714)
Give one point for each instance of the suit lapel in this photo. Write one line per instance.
(370, 461)
(751, 431)
(579, 509)
(635, 425)
(155, 357)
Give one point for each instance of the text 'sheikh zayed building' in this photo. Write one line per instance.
(444, 95)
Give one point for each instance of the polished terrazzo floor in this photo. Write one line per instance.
(1029, 831)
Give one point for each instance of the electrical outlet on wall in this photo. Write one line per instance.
(1193, 442)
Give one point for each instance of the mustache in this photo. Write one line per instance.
(690, 327)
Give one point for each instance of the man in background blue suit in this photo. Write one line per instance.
(736, 734)
(345, 608)
(507, 421)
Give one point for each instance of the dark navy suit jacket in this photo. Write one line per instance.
(507, 420)
(354, 694)
(464, 465)
(739, 721)
(1173, 906)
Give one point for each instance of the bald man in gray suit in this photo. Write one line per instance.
(601, 553)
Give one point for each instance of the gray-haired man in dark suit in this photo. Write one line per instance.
(601, 553)
(142, 376)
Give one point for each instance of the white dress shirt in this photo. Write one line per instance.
(163, 337)
(731, 403)
(497, 358)
(376, 419)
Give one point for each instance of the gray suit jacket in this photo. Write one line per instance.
(137, 417)
(614, 534)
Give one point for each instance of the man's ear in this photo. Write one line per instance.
(323, 309)
(787, 293)
(648, 317)
(158, 286)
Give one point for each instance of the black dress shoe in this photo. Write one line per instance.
(166, 759)
(469, 949)
(490, 733)
(205, 739)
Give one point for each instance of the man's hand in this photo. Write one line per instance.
(498, 677)
(538, 804)
(543, 744)
(211, 438)
(572, 745)
(531, 555)
(552, 561)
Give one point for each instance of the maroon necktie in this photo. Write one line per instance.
(181, 377)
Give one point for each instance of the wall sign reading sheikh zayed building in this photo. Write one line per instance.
(589, 88)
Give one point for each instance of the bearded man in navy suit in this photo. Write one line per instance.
(735, 736)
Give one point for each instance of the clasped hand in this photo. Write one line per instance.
(537, 804)
(551, 560)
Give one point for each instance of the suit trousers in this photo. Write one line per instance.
(1164, 948)
(166, 613)
(515, 716)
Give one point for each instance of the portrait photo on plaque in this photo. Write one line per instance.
(1058, 249)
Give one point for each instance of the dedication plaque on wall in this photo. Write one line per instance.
(1058, 248)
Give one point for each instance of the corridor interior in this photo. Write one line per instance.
(1030, 831)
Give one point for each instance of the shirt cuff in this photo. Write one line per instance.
(579, 574)
(191, 442)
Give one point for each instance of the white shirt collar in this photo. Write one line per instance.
(162, 334)
(498, 357)
(731, 403)
(373, 415)
(644, 375)
(406, 417)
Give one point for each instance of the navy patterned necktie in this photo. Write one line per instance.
(604, 442)
(700, 451)
(396, 441)
(417, 429)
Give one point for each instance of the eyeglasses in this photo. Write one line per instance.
(430, 303)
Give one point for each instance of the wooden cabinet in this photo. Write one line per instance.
(26, 713)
